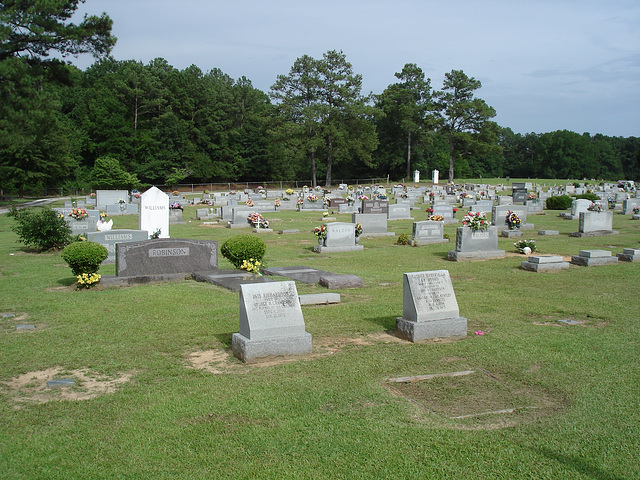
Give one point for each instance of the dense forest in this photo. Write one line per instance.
(127, 124)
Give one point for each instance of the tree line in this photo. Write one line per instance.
(126, 124)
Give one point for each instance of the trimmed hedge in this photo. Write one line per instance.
(243, 247)
(560, 202)
(84, 257)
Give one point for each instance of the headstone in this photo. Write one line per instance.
(446, 211)
(81, 227)
(110, 197)
(165, 257)
(499, 216)
(629, 204)
(122, 209)
(340, 238)
(505, 200)
(594, 258)
(475, 244)
(110, 238)
(429, 308)
(335, 202)
(435, 177)
(592, 224)
(482, 206)
(373, 224)
(154, 212)
(428, 232)
(375, 206)
(399, 212)
(271, 322)
(545, 263)
(240, 216)
(577, 207)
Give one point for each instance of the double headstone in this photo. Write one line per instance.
(592, 224)
(429, 308)
(340, 238)
(110, 238)
(373, 224)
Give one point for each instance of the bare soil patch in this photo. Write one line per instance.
(32, 387)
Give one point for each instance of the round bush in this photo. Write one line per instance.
(84, 257)
(560, 202)
(243, 247)
(44, 229)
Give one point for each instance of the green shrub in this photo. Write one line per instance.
(589, 196)
(560, 202)
(243, 247)
(84, 257)
(403, 239)
(44, 229)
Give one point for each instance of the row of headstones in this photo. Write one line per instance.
(271, 321)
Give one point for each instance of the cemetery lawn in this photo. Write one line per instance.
(549, 390)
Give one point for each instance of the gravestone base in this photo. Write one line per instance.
(323, 249)
(291, 230)
(456, 256)
(635, 217)
(249, 350)
(335, 280)
(416, 243)
(629, 255)
(548, 232)
(545, 263)
(418, 331)
(115, 280)
(596, 233)
(594, 258)
(511, 233)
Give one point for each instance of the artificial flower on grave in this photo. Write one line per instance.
(595, 207)
(249, 202)
(325, 201)
(436, 218)
(79, 213)
(526, 246)
(276, 202)
(358, 230)
(175, 206)
(476, 221)
(121, 201)
(156, 234)
(87, 280)
(363, 197)
(299, 201)
(92, 195)
(252, 266)
(321, 231)
(513, 220)
(636, 210)
(257, 220)
(429, 211)
(532, 197)
(136, 195)
(175, 193)
(312, 197)
(103, 217)
(349, 199)
(289, 191)
(431, 194)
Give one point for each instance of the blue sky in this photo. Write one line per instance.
(544, 65)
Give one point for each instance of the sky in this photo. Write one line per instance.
(544, 65)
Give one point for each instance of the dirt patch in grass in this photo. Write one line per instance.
(474, 399)
(220, 362)
(33, 387)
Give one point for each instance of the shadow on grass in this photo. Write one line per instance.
(66, 282)
(579, 465)
(224, 339)
(388, 323)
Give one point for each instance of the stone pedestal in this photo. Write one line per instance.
(545, 263)
(511, 233)
(629, 255)
(251, 350)
(594, 258)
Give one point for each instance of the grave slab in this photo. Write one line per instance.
(548, 232)
(336, 281)
(319, 298)
(229, 279)
(63, 382)
(545, 263)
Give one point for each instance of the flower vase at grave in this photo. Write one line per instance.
(357, 239)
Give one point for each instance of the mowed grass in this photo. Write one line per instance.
(546, 400)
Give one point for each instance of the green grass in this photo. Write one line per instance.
(333, 414)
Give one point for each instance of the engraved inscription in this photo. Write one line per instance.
(169, 252)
